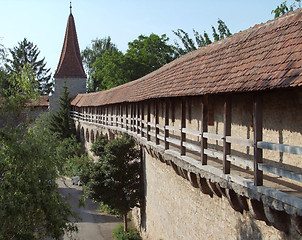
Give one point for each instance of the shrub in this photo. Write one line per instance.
(119, 234)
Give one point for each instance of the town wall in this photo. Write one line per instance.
(173, 208)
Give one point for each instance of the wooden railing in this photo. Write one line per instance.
(137, 122)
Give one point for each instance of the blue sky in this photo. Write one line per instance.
(43, 22)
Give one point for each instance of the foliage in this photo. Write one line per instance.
(110, 70)
(16, 96)
(201, 40)
(109, 67)
(31, 207)
(60, 122)
(98, 147)
(120, 234)
(284, 9)
(115, 178)
(146, 54)
(26, 54)
(90, 55)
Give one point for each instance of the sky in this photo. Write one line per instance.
(43, 22)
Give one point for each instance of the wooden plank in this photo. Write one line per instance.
(280, 172)
(173, 128)
(192, 147)
(280, 147)
(240, 161)
(174, 141)
(191, 132)
(240, 141)
(213, 136)
(227, 132)
(183, 125)
(162, 138)
(167, 123)
(204, 129)
(213, 153)
(258, 155)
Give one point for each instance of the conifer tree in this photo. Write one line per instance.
(26, 53)
(60, 121)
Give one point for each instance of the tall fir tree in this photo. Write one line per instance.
(26, 53)
(60, 121)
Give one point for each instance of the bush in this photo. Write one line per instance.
(119, 234)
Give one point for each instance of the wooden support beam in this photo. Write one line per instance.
(142, 118)
(126, 116)
(258, 155)
(111, 116)
(183, 125)
(137, 117)
(167, 105)
(148, 121)
(116, 115)
(156, 111)
(121, 114)
(204, 128)
(227, 132)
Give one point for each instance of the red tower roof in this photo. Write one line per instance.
(70, 64)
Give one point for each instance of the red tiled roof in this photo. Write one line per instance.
(267, 56)
(70, 64)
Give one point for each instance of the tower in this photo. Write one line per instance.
(70, 67)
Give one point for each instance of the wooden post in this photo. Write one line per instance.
(107, 116)
(142, 119)
(156, 122)
(183, 125)
(137, 117)
(148, 121)
(167, 123)
(126, 116)
(227, 132)
(116, 115)
(122, 117)
(204, 128)
(258, 155)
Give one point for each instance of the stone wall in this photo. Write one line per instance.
(176, 210)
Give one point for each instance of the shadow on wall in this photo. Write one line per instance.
(248, 230)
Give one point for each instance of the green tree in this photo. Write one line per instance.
(201, 40)
(115, 178)
(26, 54)
(146, 54)
(60, 122)
(111, 70)
(90, 55)
(31, 207)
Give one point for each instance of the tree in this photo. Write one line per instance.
(284, 9)
(60, 122)
(26, 53)
(201, 40)
(115, 178)
(111, 70)
(31, 207)
(148, 54)
(90, 55)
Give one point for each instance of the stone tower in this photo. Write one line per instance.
(70, 67)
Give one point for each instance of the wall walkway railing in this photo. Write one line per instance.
(135, 118)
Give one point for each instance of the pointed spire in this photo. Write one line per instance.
(70, 64)
(70, 8)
